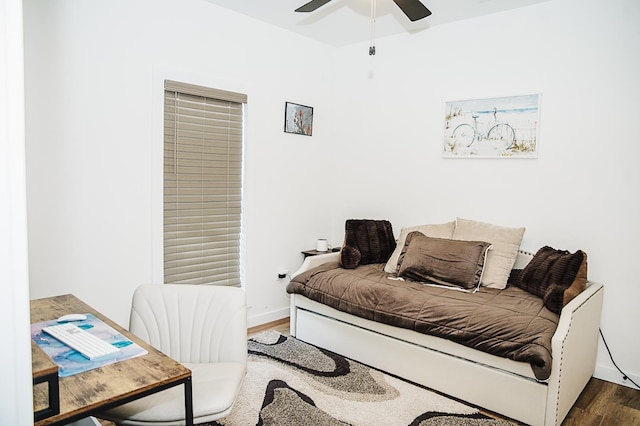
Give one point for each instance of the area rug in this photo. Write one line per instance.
(291, 383)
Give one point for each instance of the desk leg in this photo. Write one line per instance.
(188, 402)
(54, 396)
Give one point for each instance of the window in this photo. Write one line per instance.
(203, 142)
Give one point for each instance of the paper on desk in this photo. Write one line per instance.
(70, 361)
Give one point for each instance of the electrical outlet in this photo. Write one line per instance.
(282, 274)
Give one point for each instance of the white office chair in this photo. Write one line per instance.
(204, 328)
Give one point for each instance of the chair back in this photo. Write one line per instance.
(192, 323)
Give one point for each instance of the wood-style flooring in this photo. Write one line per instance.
(601, 403)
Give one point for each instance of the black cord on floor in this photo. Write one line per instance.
(624, 375)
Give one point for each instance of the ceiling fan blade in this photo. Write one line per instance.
(413, 9)
(312, 5)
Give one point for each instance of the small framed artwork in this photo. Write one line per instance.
(505, 127)
(298, 119)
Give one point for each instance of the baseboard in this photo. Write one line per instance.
(611, 374)
(253, 321)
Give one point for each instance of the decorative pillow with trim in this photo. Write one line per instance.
(442, 261)
(366, 241)
(440, 230)
(557, 276)
(502, 256)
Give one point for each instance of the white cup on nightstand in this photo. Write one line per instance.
(322, 245)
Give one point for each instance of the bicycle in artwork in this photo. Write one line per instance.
(500, 135)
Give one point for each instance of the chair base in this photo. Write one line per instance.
(215, 388)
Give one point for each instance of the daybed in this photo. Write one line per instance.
(509, 384)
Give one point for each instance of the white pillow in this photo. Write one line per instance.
(442, 230)
(500, 259)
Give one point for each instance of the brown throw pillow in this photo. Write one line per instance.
(557, 276)
(350, 257)
(442, 261)
(373, 239)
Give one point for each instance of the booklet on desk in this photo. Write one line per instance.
(70, 361)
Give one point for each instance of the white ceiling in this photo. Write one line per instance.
(344, 22)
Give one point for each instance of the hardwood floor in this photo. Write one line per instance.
(605, 403)
(601, 403)
(281, 326)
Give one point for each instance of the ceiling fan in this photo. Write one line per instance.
(414, 9)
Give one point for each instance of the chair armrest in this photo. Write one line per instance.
(574, 347)
(319, 259)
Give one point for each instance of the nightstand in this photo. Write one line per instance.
(314, 252)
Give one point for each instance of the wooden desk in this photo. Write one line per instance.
(87, 393)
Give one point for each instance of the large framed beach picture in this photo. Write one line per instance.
(505, 127)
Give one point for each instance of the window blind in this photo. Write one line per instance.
(203, 142)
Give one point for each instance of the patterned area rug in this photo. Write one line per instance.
(291, 383)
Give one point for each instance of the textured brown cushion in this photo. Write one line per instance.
(557, 276)
(372, 238)
(350, 257)
(442, 261)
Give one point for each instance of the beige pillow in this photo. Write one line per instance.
(505, 245)
(442, 230)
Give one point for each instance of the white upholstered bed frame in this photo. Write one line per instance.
(497, 384)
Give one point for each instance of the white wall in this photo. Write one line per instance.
(92, 73)
(15, 356)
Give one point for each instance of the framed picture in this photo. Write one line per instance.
(298, 119)
(504, 127)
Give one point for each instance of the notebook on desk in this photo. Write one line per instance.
(71, 361)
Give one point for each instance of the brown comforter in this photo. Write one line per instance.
(509, 323)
